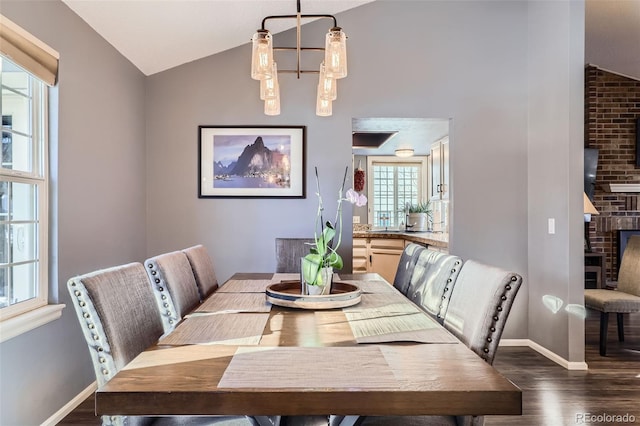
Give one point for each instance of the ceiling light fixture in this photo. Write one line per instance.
(404, 152)
(334, 66)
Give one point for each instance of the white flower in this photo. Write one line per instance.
(354, 198)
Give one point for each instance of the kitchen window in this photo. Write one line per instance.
(393, 184)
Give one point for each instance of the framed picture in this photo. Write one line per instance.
(251, 162)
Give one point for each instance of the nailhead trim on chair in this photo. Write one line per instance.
(446, 295)
(496, 318)
(99, 357)
(169, 317)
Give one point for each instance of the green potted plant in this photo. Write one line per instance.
(419, 216)
(317, 266)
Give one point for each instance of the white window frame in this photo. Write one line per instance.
(29, 314)
(423, 182)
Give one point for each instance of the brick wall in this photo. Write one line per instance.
(612, 104)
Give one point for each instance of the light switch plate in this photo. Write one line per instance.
(356, 219)
(552, 226)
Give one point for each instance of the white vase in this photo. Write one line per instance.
(322, 283)
(314, 290)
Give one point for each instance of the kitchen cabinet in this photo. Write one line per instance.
(360, 255)
(379, 255)
(384, 257)
(439, 165)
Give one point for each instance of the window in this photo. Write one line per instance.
(393, 184)
(23, 192)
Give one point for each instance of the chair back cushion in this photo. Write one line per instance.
(174, 286)
(480, 303)
(202, 268)
(432, 282)
(629, 274)
(406, 266)
(289, 251)
(118, 316)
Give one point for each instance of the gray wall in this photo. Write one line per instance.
(555, 160)
(473, 62)
(98, 194)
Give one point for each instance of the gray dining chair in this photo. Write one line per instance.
(289, 251)
(624, 299)
(480, 302)
(174, 286)
(203, 270)
(119, 319)
(406, 266)
(432, 281)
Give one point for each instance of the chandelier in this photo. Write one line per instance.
(265, 69)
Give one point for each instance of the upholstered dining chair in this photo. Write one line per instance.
(624, 299)
(203, 270)
(432, 281)
(406, 267)
(174, 286)
(480, 303)
(289, 251)
(119, 319)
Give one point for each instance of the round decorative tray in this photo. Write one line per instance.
(287, 294)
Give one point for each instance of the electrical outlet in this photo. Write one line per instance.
(356, 219)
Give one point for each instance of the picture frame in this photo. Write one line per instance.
(251, 161)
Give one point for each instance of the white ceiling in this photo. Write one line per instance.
(612, 35)
(156, 35)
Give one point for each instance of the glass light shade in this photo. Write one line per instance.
(262, 55)
(335, 53)
(327, 86)
(272, 106)
(404, 152)
(269, 86)
(323, 107)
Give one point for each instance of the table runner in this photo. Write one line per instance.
(374, 286)
(244, 286)
(283, 367)
(383, 303)
(373, 326)
(224, 329)
(233, 302)
(278, 277)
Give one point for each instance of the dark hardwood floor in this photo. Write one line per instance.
(551, 394)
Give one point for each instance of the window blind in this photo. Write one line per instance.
(28, 52)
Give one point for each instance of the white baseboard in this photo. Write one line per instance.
(569, 365)
(514, 342)
(70, 406)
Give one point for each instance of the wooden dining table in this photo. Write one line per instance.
(236, 354)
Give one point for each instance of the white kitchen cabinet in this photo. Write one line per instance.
(439, 164)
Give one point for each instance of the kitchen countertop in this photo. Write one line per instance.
(435, 239)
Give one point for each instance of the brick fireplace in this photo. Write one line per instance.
(612, 105)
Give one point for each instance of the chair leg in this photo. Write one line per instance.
(620, 319)
(604, 324)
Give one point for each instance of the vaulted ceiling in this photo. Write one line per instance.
(156, 35)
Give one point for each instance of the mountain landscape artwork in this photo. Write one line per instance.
(250, 161)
